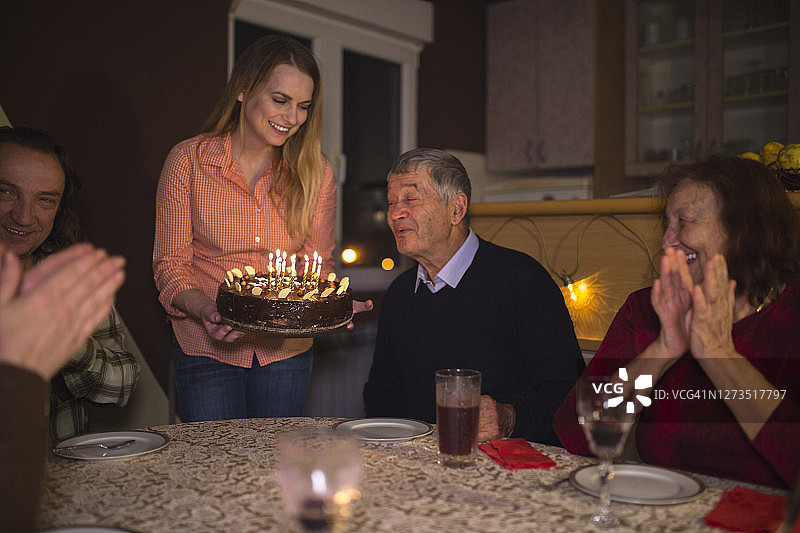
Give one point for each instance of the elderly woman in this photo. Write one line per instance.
(718, 331)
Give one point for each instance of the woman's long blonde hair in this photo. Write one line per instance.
(297, 165)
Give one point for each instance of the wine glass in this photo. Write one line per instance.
(603, 413)
(319, 473)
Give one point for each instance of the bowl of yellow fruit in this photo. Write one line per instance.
(783, 160)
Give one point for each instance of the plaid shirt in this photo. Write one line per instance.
(102, 372)
(207, 222)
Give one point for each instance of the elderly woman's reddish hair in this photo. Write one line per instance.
(763, 226)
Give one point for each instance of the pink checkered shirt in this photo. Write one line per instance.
(208, 222)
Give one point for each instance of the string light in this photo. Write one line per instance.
(577, 295)
(568, 284)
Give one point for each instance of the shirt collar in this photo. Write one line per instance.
(218, 153)
(452, 272)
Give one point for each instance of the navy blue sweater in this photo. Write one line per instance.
(506, 318)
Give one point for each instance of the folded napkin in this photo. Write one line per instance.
(516, 453)
(747, 510)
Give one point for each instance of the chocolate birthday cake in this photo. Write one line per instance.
(284, 303)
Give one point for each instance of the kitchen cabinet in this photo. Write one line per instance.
(708, 76)
(540, 84)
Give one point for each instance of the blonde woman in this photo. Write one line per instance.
(254, 181)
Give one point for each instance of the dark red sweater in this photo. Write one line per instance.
(702, 435)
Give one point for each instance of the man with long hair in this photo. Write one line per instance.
(39, 216)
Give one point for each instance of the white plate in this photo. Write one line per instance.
(645, 484)
(143, 442)
(85, 529)
(383, 429)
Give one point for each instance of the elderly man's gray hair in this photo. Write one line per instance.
(445, 170)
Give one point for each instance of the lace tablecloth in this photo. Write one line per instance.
(219, 476)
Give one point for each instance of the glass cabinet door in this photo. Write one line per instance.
(706, 77)
(666, 47)
(755, 74)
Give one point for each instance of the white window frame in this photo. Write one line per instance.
(391, 30)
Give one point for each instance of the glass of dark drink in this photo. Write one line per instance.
(458, 400)
(606, 413)
(319, 473)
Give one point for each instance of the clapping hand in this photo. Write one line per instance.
(49, 311)
(713, 309)
(672, 300)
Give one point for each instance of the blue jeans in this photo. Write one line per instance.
(208, 389)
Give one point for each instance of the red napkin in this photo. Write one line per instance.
(516, 453)
(747, 510)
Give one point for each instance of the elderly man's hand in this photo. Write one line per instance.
(360, 307)
(496, 419)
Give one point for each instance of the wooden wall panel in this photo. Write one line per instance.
(614, 257)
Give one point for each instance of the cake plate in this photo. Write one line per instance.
(286, 332)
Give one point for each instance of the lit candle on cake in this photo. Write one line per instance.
(293, 271)
(277, 265)
(305, 271)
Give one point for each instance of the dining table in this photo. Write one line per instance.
(220, 476)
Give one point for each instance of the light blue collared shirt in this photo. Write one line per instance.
(454, 270)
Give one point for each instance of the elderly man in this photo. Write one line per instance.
(38, 216)
(470, 304)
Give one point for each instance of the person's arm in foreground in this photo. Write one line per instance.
(45, 315)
